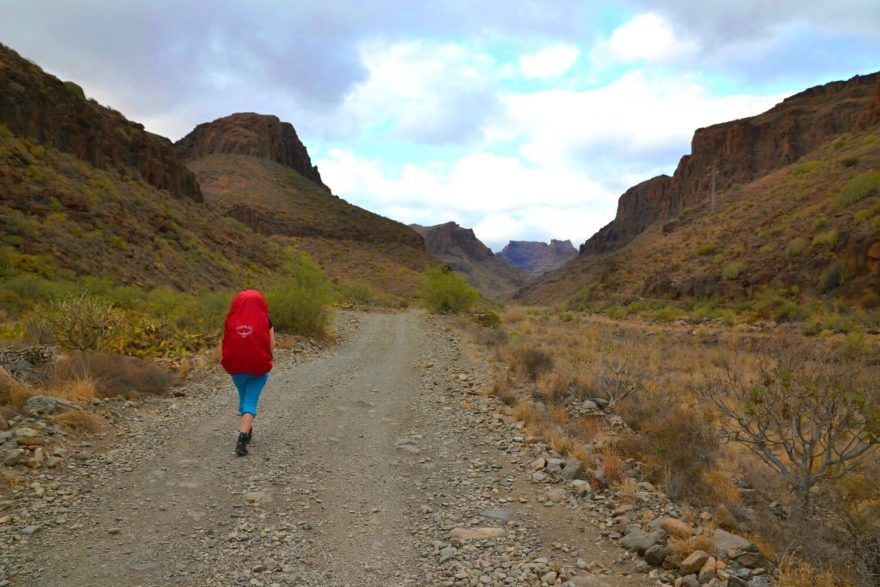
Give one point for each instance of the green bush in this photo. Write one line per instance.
(300, 303)
(860, 187)
(81, 323)
(835, 275)
(820, 223)
(731, 270)
(826, 238)
(707, 248)
(443, 291)
(355, 292)
(805, 168)
(796, 247)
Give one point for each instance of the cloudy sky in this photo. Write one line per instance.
(524, 119)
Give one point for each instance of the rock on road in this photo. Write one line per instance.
(375, 463)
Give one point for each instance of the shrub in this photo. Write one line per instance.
(860, 187)
(830, 420)
(827, 238)
(796, 247)
(805, 168)
(707, 248)
(677, 445)
(835, 275)
(110, 375)
(81, 323)
(820, 223)
(530, 361)
(732, 270)
(512, 314)
(445, 292)
(850, 161)
(355, 292)
(300, 303)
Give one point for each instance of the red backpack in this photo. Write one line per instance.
(246, 335)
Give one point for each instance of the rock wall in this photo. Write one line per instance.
(538, 257)
(743, 150)
(42, 108)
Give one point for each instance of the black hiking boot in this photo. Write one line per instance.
(250, 435)
(241, 445)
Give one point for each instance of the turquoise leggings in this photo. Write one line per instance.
(249, 389)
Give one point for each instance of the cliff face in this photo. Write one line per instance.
(41, 108)
(465, 253)
(743, 150)
(536, 257)
(255, 135)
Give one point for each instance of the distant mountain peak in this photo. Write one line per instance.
(538, 257)
(257, 135)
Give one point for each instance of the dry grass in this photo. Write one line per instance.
(793, 572)
(687, 546)
(112, 375)
(513, 314)
(78, 389)
(81, 420)
(613, 467)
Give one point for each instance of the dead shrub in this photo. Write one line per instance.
(676, 444)
(513, 314)
(13, 393)
(585, 428)
(687, 546)
(530, 361)
(613, 467)
(559, 413)
(112, 375)
(561, 443)
(81, 420)
(794, 572)
(555, 385)
(505, 392)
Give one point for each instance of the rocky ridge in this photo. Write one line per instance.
(466, 254)
(40, 107)
(742, 150)
(254, 135)
(538, 257)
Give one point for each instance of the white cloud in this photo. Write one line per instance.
(646, 37)
(425, 92)
(501, 197)
(638, 119)
(549, 62)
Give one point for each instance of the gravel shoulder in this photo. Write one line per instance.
(378, 461)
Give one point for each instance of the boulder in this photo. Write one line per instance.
(693, 562)
(723, 541)
(43, 405)
(27, 436)
(640, 541)
(572, 470)
(656, 554)
(707, 571)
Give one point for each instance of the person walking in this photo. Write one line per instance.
(248, 342)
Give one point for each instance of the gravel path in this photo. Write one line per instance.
(374, 463)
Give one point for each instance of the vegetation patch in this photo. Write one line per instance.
(860, 187)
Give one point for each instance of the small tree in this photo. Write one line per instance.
(619, 377)
(81, 323)
(807, 414)
(444, 291)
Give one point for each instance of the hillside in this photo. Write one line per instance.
(797, 217)
(86, 193)
(464, 252)
(536, 257)
(253, 168)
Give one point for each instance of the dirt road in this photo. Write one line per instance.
(365, 461)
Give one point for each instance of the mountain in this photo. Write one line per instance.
(253, 168)
(464, 252)
(797, 191)
(536, 257)
(86, 193)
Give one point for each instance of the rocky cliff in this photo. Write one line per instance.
(255, 135)
(465, 253)
(536, 257)
(39, 107)
(743, 150)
